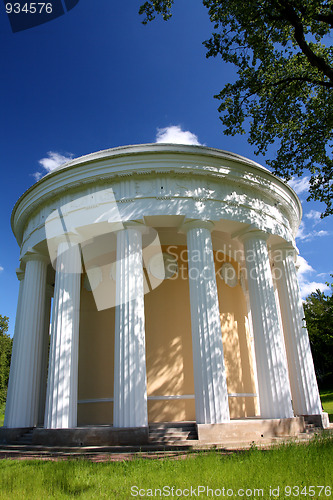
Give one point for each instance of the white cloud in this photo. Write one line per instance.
(1, 269)
(324, 275)
(299, 185)
(303, 267)
(52, 161)
(313, 215)
(306, 285)
(312, 286)
(305, 235)
(175, 135)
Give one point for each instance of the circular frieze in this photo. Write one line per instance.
(163, 266)
(229, 275)
(92, 279)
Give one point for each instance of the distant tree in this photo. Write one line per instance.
(284, 58)
(6, 344)
(318, 309)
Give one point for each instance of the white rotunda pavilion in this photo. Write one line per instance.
(167, 273)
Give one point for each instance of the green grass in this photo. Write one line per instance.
(2, 414)
(300, 465)
(289, 465)
(326, 397)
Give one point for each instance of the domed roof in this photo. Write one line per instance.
(157, 147)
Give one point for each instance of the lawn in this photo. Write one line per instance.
(326, 397)
(2, 414)
(252, 474)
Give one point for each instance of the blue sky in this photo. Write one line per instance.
(97, 78)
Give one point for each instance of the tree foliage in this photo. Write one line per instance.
(6, 344)
(318, 309)
(283, 93)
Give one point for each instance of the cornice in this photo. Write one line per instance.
(154, 160)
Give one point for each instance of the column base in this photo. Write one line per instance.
(252, 429)
(321, 420)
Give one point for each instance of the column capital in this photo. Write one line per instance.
(20, 274)
(249, 233)
(136, 225)
(197, 224)
(131, 224)
(71, 238)
(33, 255)
(284, 249)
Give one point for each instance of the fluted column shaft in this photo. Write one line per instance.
(45, 352)
(13, 383)
(130, 381)
(304, 388)
(28, 351)
(211, 395)
(62, 385)
(273, 382)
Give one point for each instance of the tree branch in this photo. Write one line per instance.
(325, 18)
(315, 60)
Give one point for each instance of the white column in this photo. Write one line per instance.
(211, 395)
(14, 364)
(130, 384)
(273, 382)
(45, 353)
(304, 388)
(62, 384)
(24, 404)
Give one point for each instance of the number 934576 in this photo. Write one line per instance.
(28, 8)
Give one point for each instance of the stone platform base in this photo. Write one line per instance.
(80, 436)
(91, 436)
(255, 429)
(246, 430)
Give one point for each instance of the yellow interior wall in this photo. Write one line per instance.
(95, 413)
(168, 350)
(236, 344)
(96, 361)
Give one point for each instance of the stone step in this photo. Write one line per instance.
(37, 451)
(25, 439)
(171, 432)
(172, 425)
(27, 450)
(171, 439)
